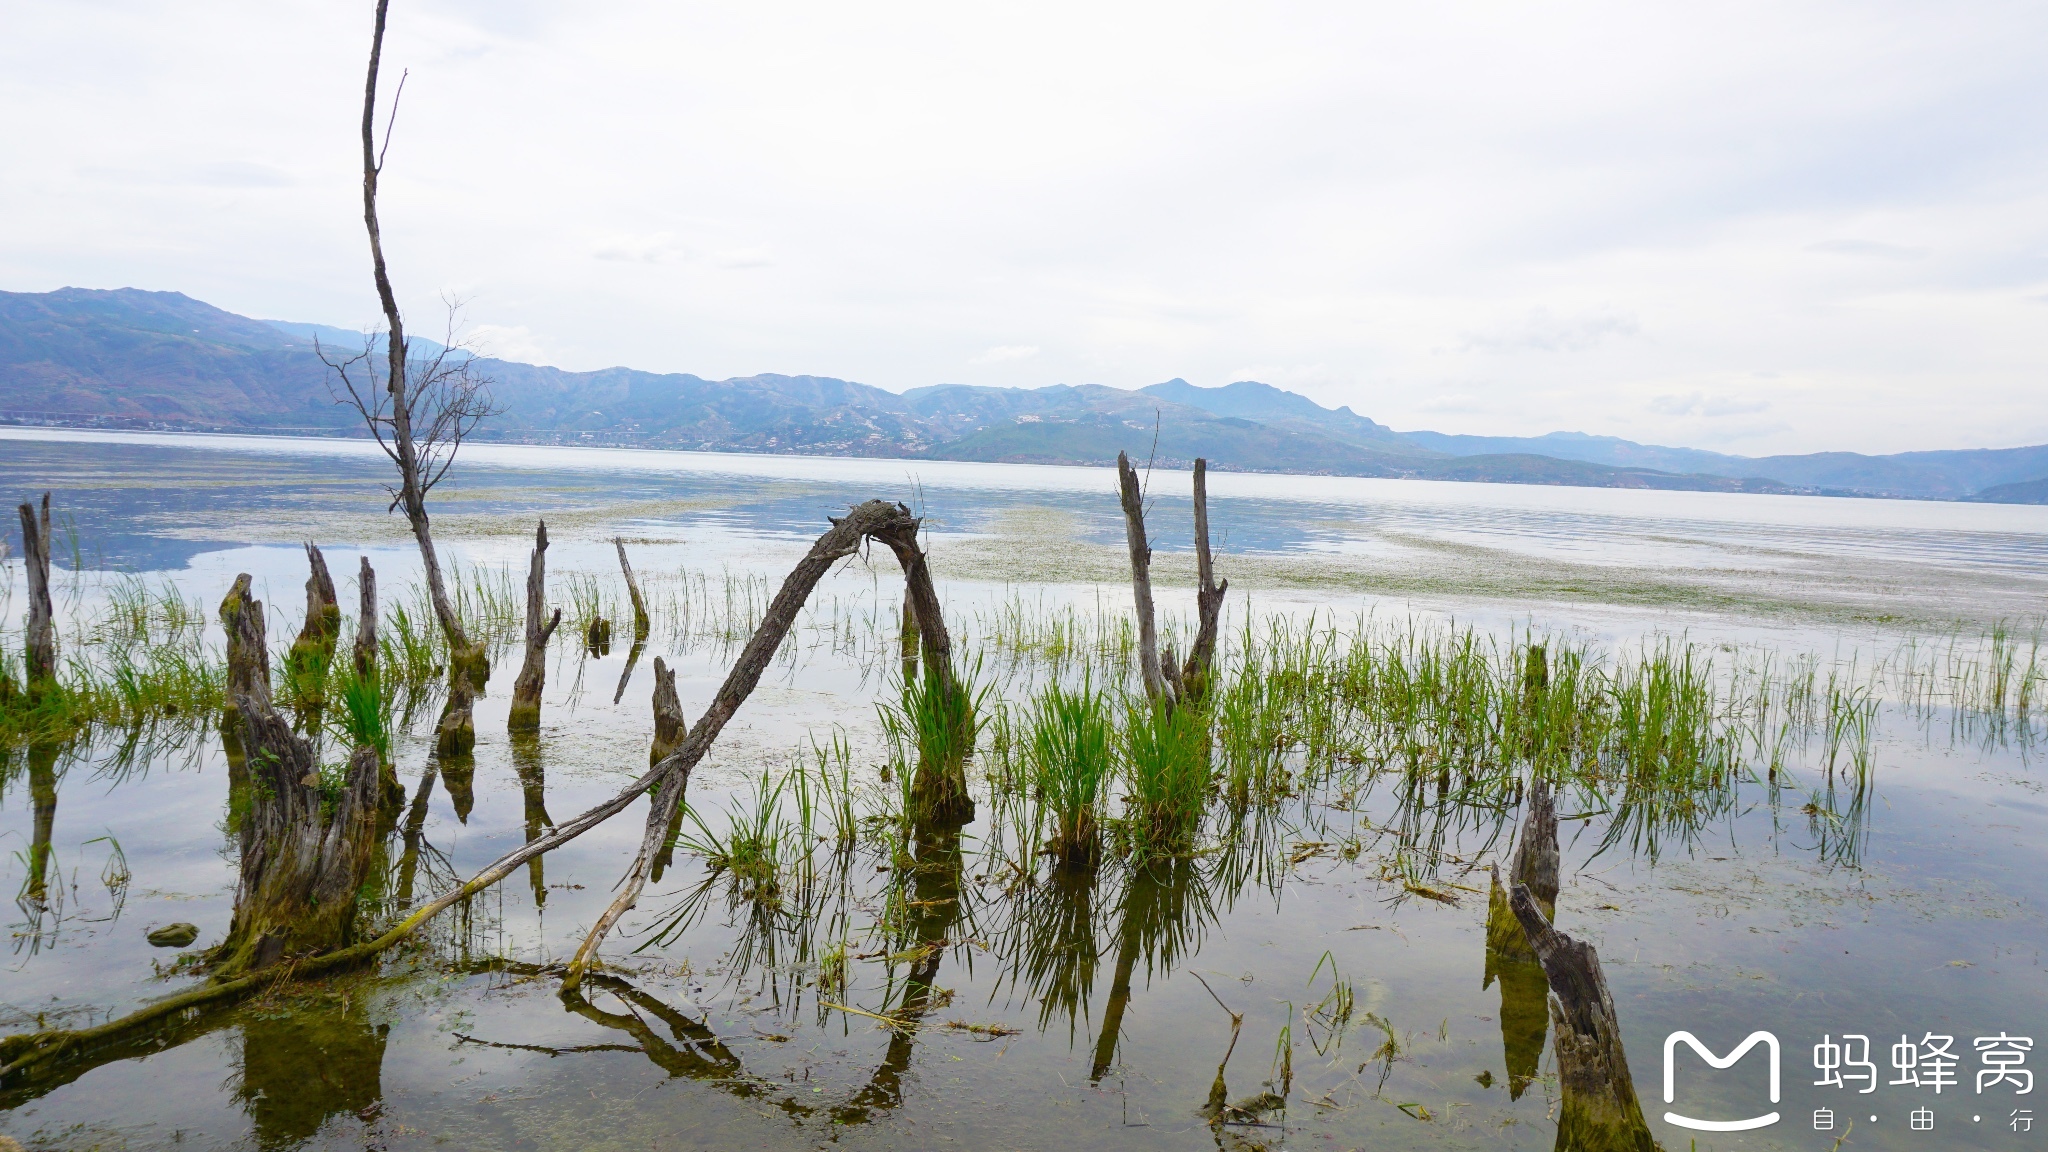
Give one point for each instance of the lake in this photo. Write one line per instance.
(1873, 863)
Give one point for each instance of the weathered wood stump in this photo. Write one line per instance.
(322, 625)
(669, 724)
(305, 844)
(1599, 1111)
(455, 733)
(526, 690)
(39, 639)
(366, 621)
(1536, 855)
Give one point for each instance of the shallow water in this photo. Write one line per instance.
(1921, 914)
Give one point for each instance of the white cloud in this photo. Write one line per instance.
(1006, 352)
(504, 343)
(1869, 249)
(1543, 332)
(1703, 405)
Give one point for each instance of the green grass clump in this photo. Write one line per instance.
(1168, 774)
(1071, 756)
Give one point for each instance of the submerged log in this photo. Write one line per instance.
(1194, 677)
(1599, 1111)
(1133, 499)
(39, 638)
(526, 690)
(641, 624)
(304, 852)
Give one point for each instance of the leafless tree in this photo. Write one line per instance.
(419, 412)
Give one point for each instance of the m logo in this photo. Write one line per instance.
(1670, 1089)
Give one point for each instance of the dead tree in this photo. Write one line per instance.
(1165, 678)
(1600, 1112)
(304, 853)
(641, 624)
(419, 413)
(366, 621)
(1194, 676)
(525, 714)
(1133, 498)
(40, 639)
(891, 524)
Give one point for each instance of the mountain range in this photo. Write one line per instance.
(127, 358)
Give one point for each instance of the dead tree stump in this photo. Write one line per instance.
(669, 724)
(305, 844)
(323, 609)
(641, 624)
(526, 690)
(40, 634)
(1536, 856)
(1599, 1112)
(455, 734)
(366, 621)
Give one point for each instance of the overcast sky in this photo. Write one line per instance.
(1753, 227)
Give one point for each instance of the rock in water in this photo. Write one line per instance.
(171, 936)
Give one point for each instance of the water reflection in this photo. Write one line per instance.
(1165, 907)
(301, 1064)
(527, 762)
(1524, 992)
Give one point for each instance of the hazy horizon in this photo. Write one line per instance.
(1752, 230)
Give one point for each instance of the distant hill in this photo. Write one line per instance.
(1951, 474)
(2024, 492)
(127, 358)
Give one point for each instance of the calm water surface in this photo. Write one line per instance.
(1088, 1014)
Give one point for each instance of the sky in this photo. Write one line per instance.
(1752, 227)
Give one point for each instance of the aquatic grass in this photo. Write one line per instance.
(1071, 755)
(1167, 774)
(754, 842)
(365, 716)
